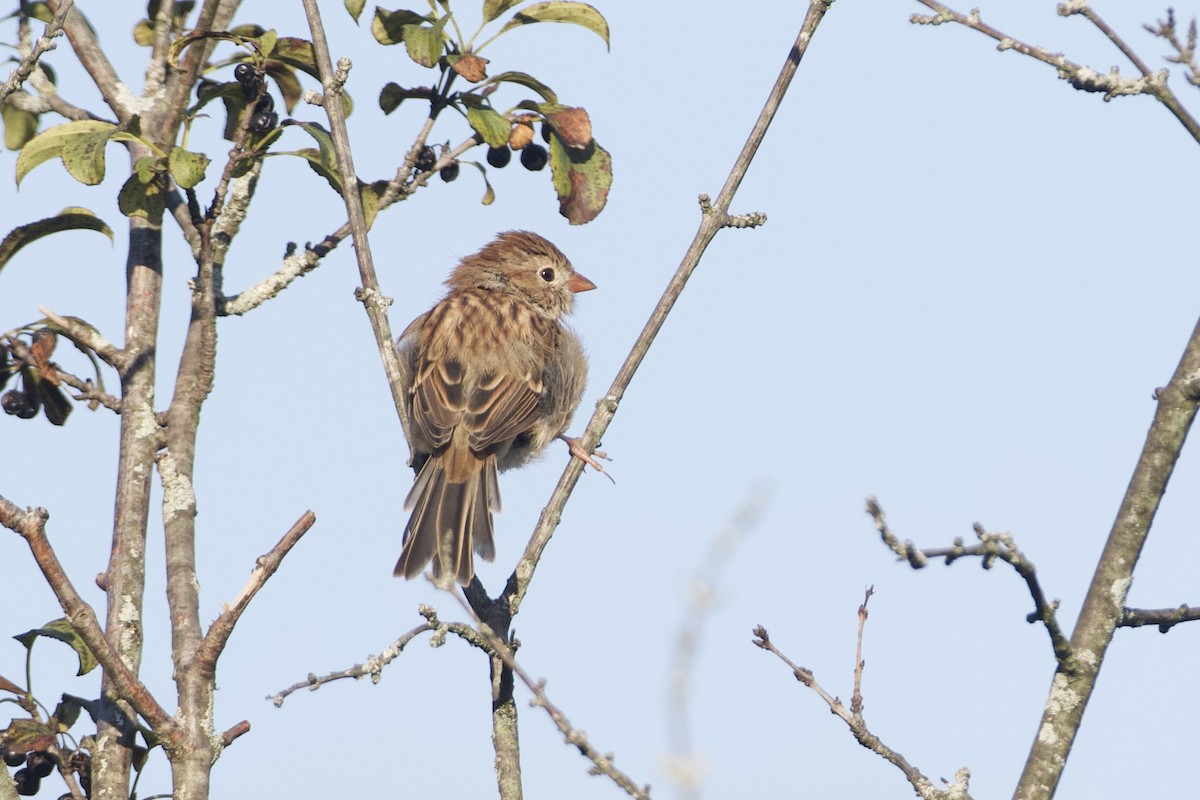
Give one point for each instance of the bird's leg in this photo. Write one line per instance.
(583, 455)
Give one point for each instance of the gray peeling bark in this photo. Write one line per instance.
(125, 578)
(1105, 602)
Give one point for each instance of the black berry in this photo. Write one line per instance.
(17, 403)
(499, 157)
(243, 73)
(27, 782)
(11, 757)
(263, 121)
(41, 763)
(449, 172)
(546, 131)
(534, 157)
(266, 104)
(426, 159)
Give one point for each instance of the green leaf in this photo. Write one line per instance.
(66, 220)
(424, 45)
(66, 712)
(298, 53)
(19, 126)
(489, 124)
(63, 631)
(582, 179)
(266, 42)
(369, 196)
(355, 7)
(187, 168)
(141, 199)
(525, 80)
(186, 41)
(83, 156)
(285, 78)
(41, 12)
(562, 11)
(391, 96)
(388, 26)
(49, 143)
(494, 8)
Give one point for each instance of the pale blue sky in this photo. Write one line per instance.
(971, 280)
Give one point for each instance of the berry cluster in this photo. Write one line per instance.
(263, 119)
(38, 764)
(534, 157)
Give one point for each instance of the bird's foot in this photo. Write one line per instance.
(583, 455)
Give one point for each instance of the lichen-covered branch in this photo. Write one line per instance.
(1082, 77)
(1164, 618)
(44, 44)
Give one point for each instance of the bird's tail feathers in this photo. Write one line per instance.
(450, 518)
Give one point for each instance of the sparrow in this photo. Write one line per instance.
(490, 377)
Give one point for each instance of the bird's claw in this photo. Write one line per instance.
(583, 455)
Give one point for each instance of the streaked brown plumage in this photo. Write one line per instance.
(491, 377)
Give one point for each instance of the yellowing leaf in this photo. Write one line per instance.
(19, 126)
(187, 168)
(49, 143)
(562, 11)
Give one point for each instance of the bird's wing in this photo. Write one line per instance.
(501, 407)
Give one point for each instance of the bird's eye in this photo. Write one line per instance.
(547, 274)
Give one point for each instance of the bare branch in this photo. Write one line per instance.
(1081, 77)
(372, 667)
(1185, 53)
(1083, 8)
(89, 393)
(31, 525)
(264, 567)
(88, 337)
(44, 44)
(602, 763)
(93, 58)
(1164, 618)
(853, 717)
(992, 546)
(714, 217)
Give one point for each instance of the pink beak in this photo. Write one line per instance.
(578, 283)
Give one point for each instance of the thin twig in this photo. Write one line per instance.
(88, 337)
(602, 763)
(992, 546)
(88, 392)
(714, 216)
(373, 666)
(374, 302)
(44, 44)
(264, 567)
(1081, 77)
(31, 525)
(853, 717)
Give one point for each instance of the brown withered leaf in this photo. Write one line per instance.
(41, 348)
(572, 125)
(471, 67)
(521, 135)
